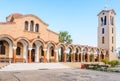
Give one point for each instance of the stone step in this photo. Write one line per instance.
(73, 64)
(2, 65)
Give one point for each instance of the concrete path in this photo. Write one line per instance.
(59, 75)
(33, 66)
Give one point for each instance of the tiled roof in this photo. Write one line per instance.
(18, 15)
(15, 15)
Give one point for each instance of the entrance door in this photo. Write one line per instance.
(33, 55)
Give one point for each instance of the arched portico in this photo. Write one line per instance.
(22, 50)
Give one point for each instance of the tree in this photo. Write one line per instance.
(64, 37)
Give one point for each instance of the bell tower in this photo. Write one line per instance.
(107, 32)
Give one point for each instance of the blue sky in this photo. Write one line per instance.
(78, 17)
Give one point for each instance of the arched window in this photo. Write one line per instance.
(112, 30)
(26, 25)
(111, 20)
(18, 51)
(37, 28)
(102, 21)
(2, 48)
(103, 40)
(112, 49)
(107, 52)
(31, 25)
(105, 20)
(112, 40)
(103, 31)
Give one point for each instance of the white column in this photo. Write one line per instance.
(37, 54)
(82, 58)
(34, 28)
(10, 51)
(29, 26)
(48, 56)
(25, 53)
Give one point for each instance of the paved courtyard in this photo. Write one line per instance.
(58, 75)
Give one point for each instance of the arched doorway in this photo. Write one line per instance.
(96, 57)
(37, 53)
(91, 55)
(61, 53)
(76, 55)
(19, 52)
(51, 52)
(102, 55)
(85, 57)
(33, 53)
(68, 54)
(80, 57)
(97, 53)
(85, 54)
(22, 50)
(107, 54)
(6, 49)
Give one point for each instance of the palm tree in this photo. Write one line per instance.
(64, 37)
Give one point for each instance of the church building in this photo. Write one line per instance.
(26, 38)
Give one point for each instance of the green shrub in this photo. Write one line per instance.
(106, 61)
(86, 66)
(91, 66)
(113, 63)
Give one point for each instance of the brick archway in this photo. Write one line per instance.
(61, 52)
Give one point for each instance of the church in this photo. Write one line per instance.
(27, 39)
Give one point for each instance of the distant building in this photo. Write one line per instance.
(118, 52)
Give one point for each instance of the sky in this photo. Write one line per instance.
(78, 17)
